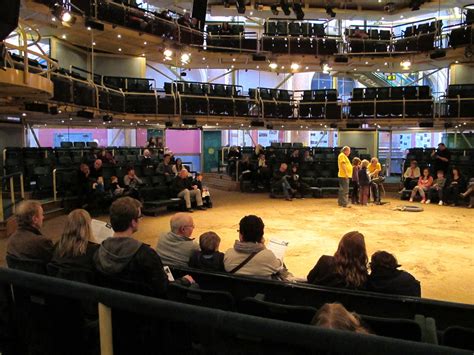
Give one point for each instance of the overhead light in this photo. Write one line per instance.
(326, 68)
(251, 13)
(330, 11)
(298, 10)
(185, 58)
(273, 65)
(53, 19)
(63, 14)
(274, 9)
(233, 59)
(64, 36)
(366, 63)
(383, 18)
(306, 68)
(145, 43)
(294, 66)
(93, 43)
(66, 16)
(385, 63)
(405, 64)
(88, 28)
(24, 114)
(119, 36)
(168, 53)
(401, 16)
(120, 49)
(457, 62)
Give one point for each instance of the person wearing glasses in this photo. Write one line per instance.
(123, 257)
(177, 246)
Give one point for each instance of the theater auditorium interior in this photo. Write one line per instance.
(236, 176)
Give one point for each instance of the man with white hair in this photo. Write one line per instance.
(344, 174)
(177, 246)
(185, 189)
(28, 242)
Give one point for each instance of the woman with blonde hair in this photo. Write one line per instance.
(76, 247)
(336, 316)
(347, 268)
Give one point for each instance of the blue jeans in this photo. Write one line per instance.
(343, 198)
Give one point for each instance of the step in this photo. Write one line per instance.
(219, 176)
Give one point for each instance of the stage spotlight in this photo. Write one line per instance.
(285, 7)
(274, 9)
(63, 14)
(330, 11)
(185, 58)
(240, 6)
(273, 65)
(298, 10)
(294, 66)
(405, 64)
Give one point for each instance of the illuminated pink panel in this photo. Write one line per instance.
(184, 141)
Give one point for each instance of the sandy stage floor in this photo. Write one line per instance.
(437, 245)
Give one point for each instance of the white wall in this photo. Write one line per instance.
(360, 139)
(461, 74)
(133, 67)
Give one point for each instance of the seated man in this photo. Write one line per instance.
(124, 257)
(177, 246)
(28, 242)
(280, 180)
(147, 158)
(132, 182)
(166, 168)
(185, 189)
(249, 256)
(96, 170)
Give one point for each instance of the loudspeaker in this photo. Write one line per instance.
(85, 114)
(259, 58)
(107, 118)
(353, 125)
(448, 125)
(333, 125)
(257, 124)
(53, 110)
(168, 124)
(199, 12)
(37, 107)
(9, 17)
(425, 124)
(341, 59)
(190, 121)
(439, 53)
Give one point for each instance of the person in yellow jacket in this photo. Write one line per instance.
(344, 174)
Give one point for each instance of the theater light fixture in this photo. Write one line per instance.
(285, 7)
(298, 10)
(273, 65)
(405, 64)
(63, 14)
(274, 9)
(326, 68)
(294, 66)
(240, 6)
(330, 11)
(185, 58)
(168, 53)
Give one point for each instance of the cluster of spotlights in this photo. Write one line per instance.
(185, 57)
(293, 66)
(326, 68)
(285, 7)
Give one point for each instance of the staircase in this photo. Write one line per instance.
(220, 182)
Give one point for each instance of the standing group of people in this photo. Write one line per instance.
(364, 176)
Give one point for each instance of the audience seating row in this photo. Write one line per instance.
(47, 312)
(458, 97)
(412, 101)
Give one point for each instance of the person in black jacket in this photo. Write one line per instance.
(455, 185)
(75, 249)
(386, 278)
(209, 257)
(205, 193)
(347, 268)
(124, 257)
(280, 179)
(185, 189)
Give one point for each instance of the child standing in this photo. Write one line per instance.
(209, 257)
(424, 183)
(364, 183)
(355, 180)
(437, 187)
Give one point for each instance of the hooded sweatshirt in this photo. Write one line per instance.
(129, 259)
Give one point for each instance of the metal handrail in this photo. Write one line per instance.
(55, 191)
(11, 177)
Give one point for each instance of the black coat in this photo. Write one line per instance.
(364, 179)
(393, 281)
(182, 184)
(211, 262)
(83, 262)
(324, 274)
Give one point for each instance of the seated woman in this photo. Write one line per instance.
(336, 316)
(411, 175)
(469, 193)
(386, 278)
(455, 185)
(249, 256)
(374, 169)
(424, 184)
(347, 268)
(76, 247)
